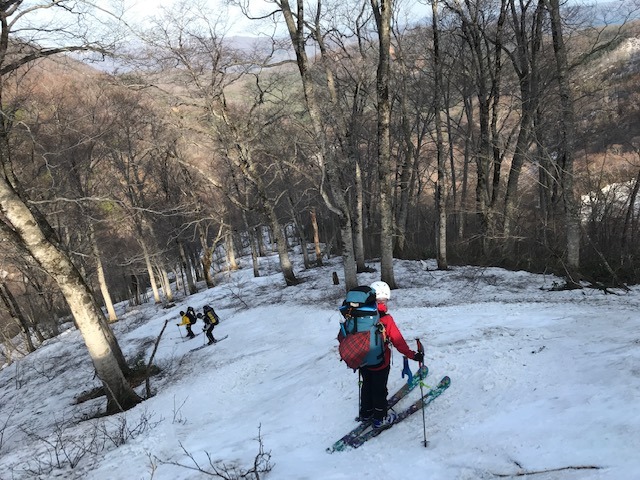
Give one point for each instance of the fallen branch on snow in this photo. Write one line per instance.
(550, 470)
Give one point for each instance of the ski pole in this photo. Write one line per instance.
(359, 391)
(179, 330)
(424, 422)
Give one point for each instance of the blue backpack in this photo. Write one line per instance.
(360, 336)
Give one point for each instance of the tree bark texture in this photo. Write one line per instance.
(382, 12)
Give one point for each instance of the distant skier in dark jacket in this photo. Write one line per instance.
(211, 319)
(188, 319)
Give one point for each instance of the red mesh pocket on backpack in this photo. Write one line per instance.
(354, 348)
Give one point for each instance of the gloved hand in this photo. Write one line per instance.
(419, 357)
(177, 324)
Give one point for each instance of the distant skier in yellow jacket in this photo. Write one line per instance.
(188, 319)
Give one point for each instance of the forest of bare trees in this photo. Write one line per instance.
(492, 132)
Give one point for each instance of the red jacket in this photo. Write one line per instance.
(393, 335)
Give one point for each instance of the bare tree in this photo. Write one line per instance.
(332, 188)
(26, 226)
(208, 68)
(525, 19)
(382, 12)
(441, 193)
(482, 25)
(567, 146)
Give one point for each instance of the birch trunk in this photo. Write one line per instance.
(441, 196)
(103, 349)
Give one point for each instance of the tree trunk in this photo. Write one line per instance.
(15, 312)
(295, 26)
(382, 12)
(231, 252)
(300, 230)
(469, 142)
(166, 284)
(104, 289)
(485, 47)
(524, 58)
(260, 241)
(441, 194)
(252, 244)
(242, 156)
(406, 174)
(455, 205)
(186, 265)
(281, 244)
(358, 222)
(207, 254)
(103, 349)
(567, 133)
(316, 237)
(152, 277)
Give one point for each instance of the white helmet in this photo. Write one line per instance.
(383, 292)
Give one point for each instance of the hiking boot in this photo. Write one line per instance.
(386, 422)
(364, 418)
(211, 342)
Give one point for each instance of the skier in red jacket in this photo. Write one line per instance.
(373, 392)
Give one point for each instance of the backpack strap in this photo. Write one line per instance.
(383, 331)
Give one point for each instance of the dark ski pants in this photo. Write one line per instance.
(209, 332)
(189, 332)
(373, 393)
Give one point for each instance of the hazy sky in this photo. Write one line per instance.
(413, 11)
(138, 10)
(239, 25)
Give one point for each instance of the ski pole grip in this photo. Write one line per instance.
(421, 350)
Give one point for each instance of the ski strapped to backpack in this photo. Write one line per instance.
(361, 335)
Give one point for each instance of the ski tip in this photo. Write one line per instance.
(446, 381)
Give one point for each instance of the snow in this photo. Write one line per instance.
(544, 384)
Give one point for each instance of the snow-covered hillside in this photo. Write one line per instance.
(545, 383)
